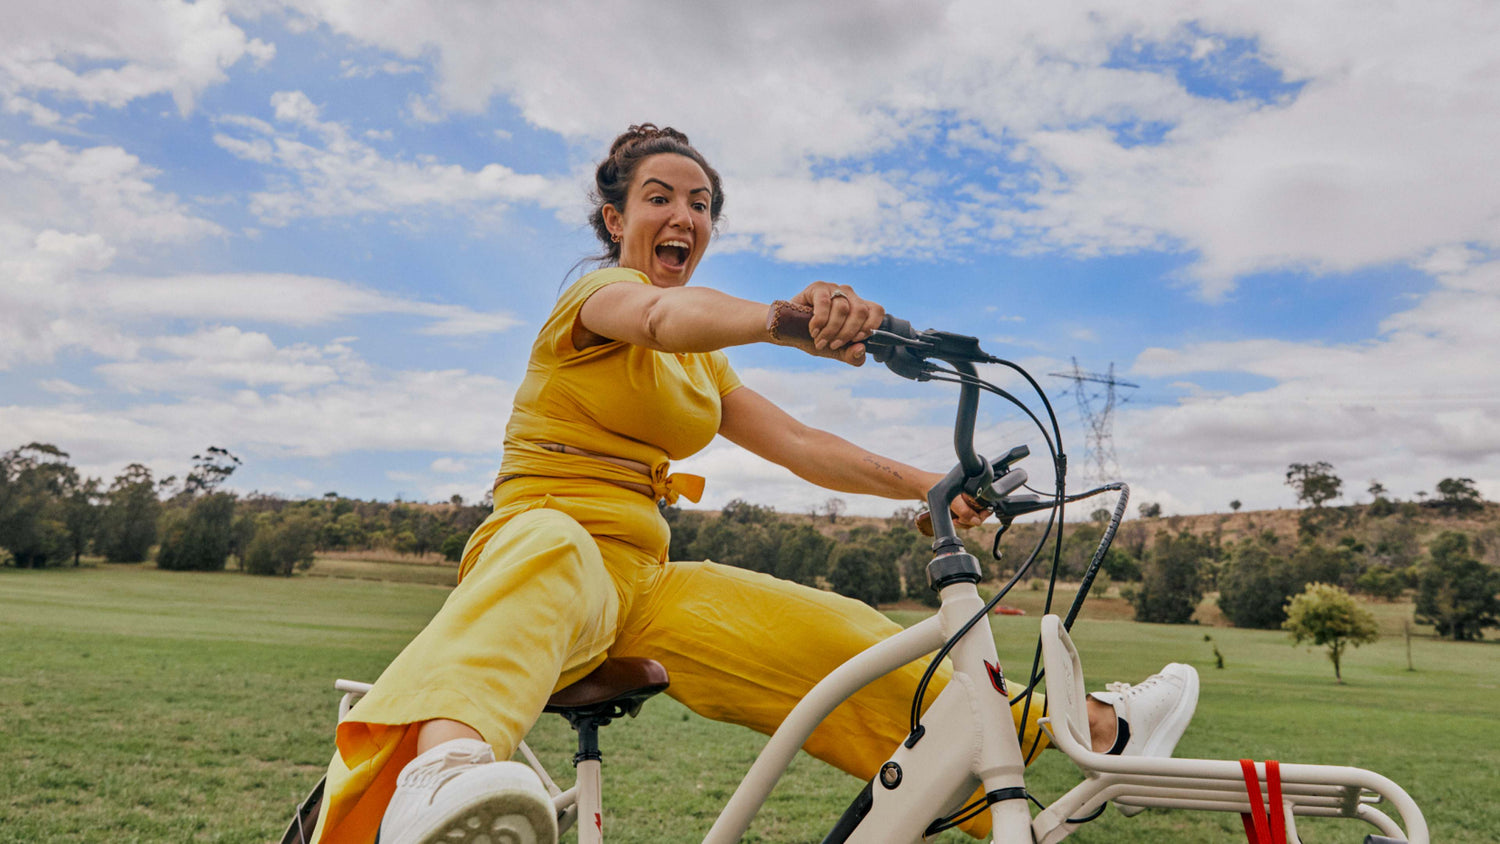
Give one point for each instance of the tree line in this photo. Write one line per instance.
(52, 515)
(1374, 549)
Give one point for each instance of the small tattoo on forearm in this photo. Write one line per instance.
(884, 468)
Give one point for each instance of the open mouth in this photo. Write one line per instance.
(673, 254)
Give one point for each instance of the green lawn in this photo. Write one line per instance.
(138, 705)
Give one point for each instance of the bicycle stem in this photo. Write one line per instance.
(972, 473)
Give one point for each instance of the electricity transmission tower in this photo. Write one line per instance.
(1099, 437)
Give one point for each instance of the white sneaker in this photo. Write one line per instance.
(1156, 711)
(456, 793)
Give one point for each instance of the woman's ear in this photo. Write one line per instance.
(613, 220)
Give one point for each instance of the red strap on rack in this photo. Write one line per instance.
(1276, 809)
(1264, 824)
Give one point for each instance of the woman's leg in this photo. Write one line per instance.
(744, 647)
(537, 611)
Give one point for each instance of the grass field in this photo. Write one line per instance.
(138, 705)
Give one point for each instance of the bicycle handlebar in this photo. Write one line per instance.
(911, 354)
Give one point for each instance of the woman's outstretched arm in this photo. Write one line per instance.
(700, 319)
(754, 423)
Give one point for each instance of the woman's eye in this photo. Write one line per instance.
(700, 206)
(658, 200)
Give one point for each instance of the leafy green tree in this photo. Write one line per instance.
(801, 554)
(1120, 566)
(1149, 510)
(1255, 585)
(1459, 495)
(210, 470)
(127, 526)
(1380, 504)
(197, 533)
(283, 542)
(453, 547)
(743, 544)
(1328, 616)
(36, 484)
(1235, 505)
(1318, 562)
(740, 511)
(1172, 578)
(1315, 483)
(1456, 593)
(1382, 582)
(864, 570)
(81, 516)
(198, 536)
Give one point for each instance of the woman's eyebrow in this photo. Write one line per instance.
(670, 188)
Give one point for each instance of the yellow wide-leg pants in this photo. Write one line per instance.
(565, 573)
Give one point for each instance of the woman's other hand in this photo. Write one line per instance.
(966, 512)
(841, 320)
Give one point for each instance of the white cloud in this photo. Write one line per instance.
(277, 298)
(66, 213)
(111, 52)
(450, 466)
(229, 355)
(1419, 396)
(449, 411)
(62, 387)
(332, 174)
(39, 114)
(1380, 157)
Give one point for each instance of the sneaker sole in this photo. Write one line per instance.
(503, 817)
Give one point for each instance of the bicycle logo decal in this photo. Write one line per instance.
(997, 677)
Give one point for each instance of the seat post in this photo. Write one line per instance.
(587, 725)
(617, 688)
(590, 778)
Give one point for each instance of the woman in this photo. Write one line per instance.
(627, 374)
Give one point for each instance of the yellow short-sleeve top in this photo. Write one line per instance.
(616, 399)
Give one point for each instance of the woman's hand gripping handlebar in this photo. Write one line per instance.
(825, 320)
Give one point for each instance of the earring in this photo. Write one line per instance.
(615, 238)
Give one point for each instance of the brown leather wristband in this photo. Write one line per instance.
(789, 324)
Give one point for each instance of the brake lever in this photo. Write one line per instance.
(981, 501)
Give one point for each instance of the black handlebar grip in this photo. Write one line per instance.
(898, 327)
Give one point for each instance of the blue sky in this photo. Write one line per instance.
(322, 234)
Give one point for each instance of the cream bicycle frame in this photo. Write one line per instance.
(970, 739)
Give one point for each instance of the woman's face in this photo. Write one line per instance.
(665, 227)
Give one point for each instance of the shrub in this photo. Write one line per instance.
(200, 537)
(282, 543)
(1455, 591)
(453, 547)
(1254, 587)
(860, 570)
(1172, 579)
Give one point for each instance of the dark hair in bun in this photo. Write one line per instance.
(612, 178)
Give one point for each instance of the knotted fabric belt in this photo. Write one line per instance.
(662, 487)
(671, 487)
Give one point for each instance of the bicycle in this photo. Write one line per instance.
(967, 738)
